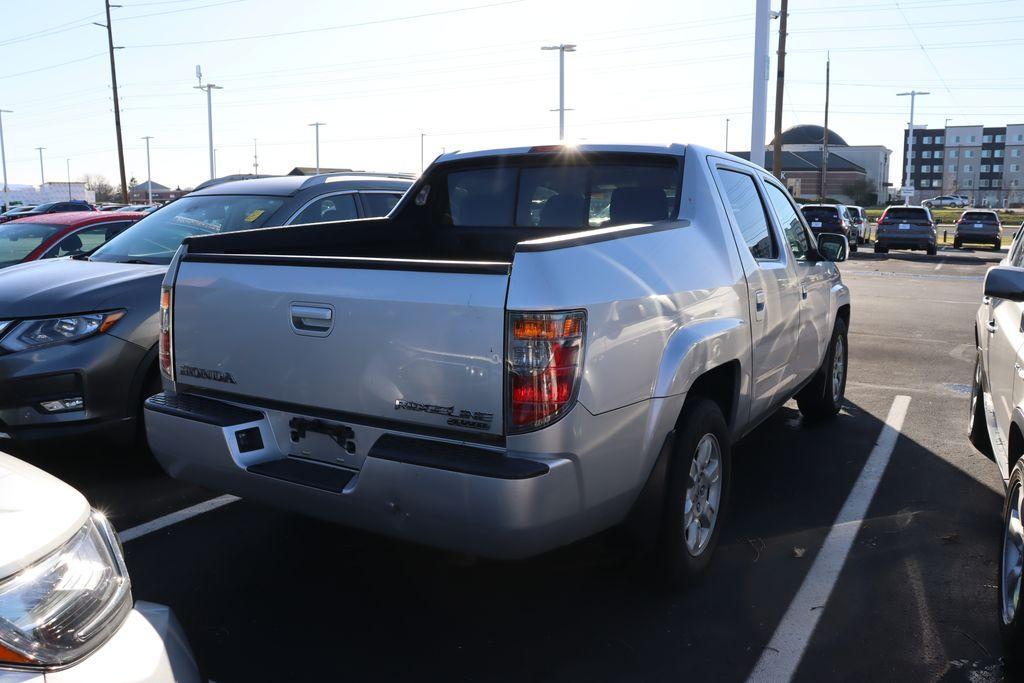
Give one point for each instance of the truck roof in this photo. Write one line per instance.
(286, 186)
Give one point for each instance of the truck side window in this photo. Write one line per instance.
(749, 213)
(338, 207)
(790, 221)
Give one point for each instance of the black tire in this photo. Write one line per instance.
(977, 429)
(151, 385)
(933, 250)
(957, 244)
(879, 249)
(1008, 606)
(701, 419)
(997, 245)
(822, 398)
(853, 246)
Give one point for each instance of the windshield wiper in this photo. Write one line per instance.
(81, 257)
(140, 261)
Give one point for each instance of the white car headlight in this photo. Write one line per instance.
(44, 332)
(65, 605)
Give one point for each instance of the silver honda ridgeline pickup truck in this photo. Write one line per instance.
(536, 345)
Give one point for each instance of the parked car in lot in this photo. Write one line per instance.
(57, 207)
(15, 212)
(906, 227)
(946, 201)
(859, 219)
(537, 344)
(66, 608)
(78, 336)
(61, 234)
(831, 218)
(979, 227)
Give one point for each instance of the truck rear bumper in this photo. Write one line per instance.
(484, 501)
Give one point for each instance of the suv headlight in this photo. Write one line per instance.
(29, 334)
(67, 604)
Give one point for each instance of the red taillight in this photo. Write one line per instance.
(166, 339)
(545, 354)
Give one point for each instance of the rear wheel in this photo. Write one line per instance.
(879, 249)
(997, 245)
(957, 244)
(1011, 565)
(698, 491)
(823, 397)
(933, 250)
(853, 245)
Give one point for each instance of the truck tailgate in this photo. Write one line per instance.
(407, 343)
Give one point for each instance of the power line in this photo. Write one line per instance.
(923, 50)
(54, 66)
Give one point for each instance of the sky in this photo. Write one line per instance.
(470, 74)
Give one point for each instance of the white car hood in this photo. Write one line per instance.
(38, 514)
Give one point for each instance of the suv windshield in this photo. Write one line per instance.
(155, 238)
(18, 240)
(906, 214)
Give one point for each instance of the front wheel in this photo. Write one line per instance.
(879, 249)
(698, 491)
(997, 245)
(977, 428)
(823, 397)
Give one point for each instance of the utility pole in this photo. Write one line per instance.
(255, 159)
(759, 108)
(317, 127)
(209, 88)
(149, 176)
(780, 79)
(3, 157)
(69, 178)
(824, 136)
(117, 103)
(42, 176)
(726, 136)
(562, 49)
(908, 181)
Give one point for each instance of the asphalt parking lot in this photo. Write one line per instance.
(270, 595)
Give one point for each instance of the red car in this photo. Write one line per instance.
(59, 234)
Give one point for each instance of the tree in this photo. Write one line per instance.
(861, 191)
(105, 192)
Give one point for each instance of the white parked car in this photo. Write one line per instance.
(66, 609)
(946, 200)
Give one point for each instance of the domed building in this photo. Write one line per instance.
(856, 174)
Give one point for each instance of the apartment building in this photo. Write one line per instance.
(980, 162)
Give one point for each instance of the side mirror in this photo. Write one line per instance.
(833, 246)
(1005, 282)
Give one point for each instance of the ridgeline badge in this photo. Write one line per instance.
(203, 373)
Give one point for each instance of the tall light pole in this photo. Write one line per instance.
(317, 127)
(117, 103)
(69, 178)
(255, 159)
(908, 181)
(759, 108)
(209, 88)
(42, 176)
(562, 49)
(726, 136)
(149, 176)
(3, 156)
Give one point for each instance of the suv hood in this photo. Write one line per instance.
(38, 513)
(59, 286)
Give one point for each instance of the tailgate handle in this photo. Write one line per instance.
(307, 319)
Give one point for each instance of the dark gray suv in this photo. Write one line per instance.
(78, 336)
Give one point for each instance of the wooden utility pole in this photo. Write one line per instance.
(824, 140)
(780, 80)
(117, 103)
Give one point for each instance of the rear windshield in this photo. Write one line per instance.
(155, 238)
(18, 240)
(906, 214)
(980, 217)
(562, 195)
(855, 212)
(820, 213)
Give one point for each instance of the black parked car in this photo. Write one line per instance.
(53, 207)
(78, 336)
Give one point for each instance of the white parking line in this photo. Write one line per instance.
(175, 517)
(781, 657)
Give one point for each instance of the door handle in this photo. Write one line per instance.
(759, 304)
(311, 319)
(991, 326)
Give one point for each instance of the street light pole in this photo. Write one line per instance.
(562, 49)
(149, 176)
(69, 178)
(726, 150)
(209, 88)
(3, 157)
(42, 176)
(759, 109)
(317, 125)
(910, 143)
(255, 159)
